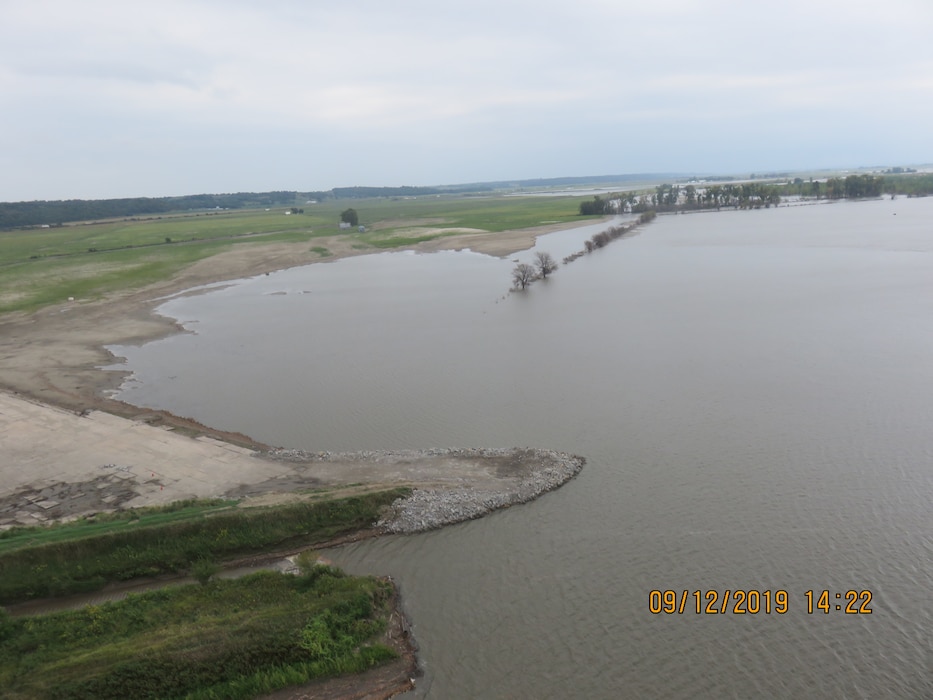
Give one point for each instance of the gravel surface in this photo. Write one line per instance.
(522, 475)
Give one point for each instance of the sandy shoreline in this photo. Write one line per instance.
(59, 464)
(59, 431)
(55, 354)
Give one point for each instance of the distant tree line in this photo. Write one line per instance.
(368, 192)
(849, 187)
(757, 195)
(37, 213)
(919, 185)
(52, 213)
(666, 198)
(897, 181)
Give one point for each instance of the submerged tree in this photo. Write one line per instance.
(545, 264)
(523, 275)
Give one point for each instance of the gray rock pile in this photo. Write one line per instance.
(428, 509)
(507, 476)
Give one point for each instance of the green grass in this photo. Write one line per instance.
(83, 557)
(79, 239)
(227, 639)
(493, 213)
(45, 266)
(105, 523)
(39, 267)
(27, 286)
(400, 241)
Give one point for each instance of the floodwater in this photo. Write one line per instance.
(753, 392)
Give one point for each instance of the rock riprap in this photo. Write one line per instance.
(451, 484)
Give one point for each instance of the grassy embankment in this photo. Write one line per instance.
(226, 639)
(88, 554)
(43, 266)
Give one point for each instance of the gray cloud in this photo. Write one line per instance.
(173, 97)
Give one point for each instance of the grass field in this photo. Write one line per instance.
(237, 638)
(44, 266)
(107, 523)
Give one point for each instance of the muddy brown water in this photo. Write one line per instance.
(753, 392)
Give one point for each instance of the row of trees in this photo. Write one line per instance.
(666, 197)
(918, 185)
(756, 195)
(604, 238)
(849, 187)
(524, 274)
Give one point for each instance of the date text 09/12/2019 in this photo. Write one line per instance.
(750, 601)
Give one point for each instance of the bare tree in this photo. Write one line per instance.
(545, 264)
(523, 275)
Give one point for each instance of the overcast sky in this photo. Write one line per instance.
(102, 98)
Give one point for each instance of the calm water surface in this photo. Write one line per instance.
(753, 392)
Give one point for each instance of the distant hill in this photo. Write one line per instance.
(573, 181)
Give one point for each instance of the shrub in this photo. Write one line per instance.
(203, 570)
(306, 561)
(7, 625)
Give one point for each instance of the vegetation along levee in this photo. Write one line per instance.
(87, 554)
(604, 238)
(238, 638)
(524, 274)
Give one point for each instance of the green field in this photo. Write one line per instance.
(43, 266)
(221, 638)
(225, 639)
(87, 554)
